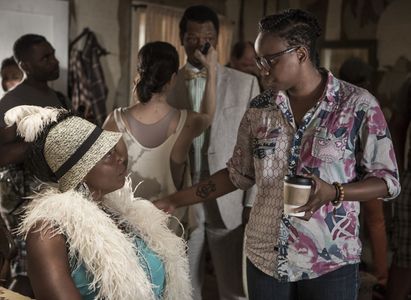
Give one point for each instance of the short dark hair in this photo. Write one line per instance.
(23, 44)
(239, 48)
(199, 14)
(157, 62)
(7, 62)
(297, 27)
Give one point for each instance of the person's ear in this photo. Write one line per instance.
(302, 54)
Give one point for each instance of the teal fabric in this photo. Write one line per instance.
(153, 266)
(81, 280)
(150, 262)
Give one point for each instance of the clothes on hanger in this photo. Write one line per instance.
(87, 87)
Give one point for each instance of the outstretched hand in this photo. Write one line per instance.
(321, 193)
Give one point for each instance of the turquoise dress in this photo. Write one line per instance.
(150, 262)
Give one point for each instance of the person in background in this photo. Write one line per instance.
(242, 58)
(157, 135)
(219, 222)
(357, 72)
(11, 75)
(88, 236)
(399, 278)
(312, 124)
(36, 58)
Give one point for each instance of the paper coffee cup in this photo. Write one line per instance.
(296, 193)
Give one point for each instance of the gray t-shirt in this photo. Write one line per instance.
(24, 94)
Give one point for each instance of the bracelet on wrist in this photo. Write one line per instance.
(339, 197)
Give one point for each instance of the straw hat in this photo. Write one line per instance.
(72, 147)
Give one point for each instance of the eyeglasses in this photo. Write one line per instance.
(265, 62)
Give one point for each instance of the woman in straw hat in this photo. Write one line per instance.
(159, 136)
(87, 236)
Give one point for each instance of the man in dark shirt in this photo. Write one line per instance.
(35, 57)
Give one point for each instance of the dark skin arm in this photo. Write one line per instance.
(11, 149)
(220, 184)
(323, 192)
(215, 186)
(48, 267)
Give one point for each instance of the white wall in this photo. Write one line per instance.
(45, 17)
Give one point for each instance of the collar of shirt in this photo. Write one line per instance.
(330, 94)
(192, 72)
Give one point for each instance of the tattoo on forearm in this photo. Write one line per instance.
(204, 190)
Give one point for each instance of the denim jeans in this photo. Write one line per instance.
(341, 284)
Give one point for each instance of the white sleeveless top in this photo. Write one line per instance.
(150, 168)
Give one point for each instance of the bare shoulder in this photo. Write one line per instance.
(48, 265)
(42, 236)
(45, 248)
(110, 123)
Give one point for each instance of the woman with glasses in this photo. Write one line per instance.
(312, 124)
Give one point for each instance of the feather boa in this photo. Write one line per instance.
(108, 254)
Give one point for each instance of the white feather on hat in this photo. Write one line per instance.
(31, 120)
(62, 140)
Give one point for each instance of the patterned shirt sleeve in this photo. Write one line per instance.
(378, 157)
(241, 164)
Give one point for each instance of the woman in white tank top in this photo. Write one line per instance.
(158, 137)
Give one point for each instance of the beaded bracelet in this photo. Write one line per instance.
(340, 194)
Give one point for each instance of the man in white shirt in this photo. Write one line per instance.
(221, 221)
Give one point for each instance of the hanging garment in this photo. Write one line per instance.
(87, 85)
